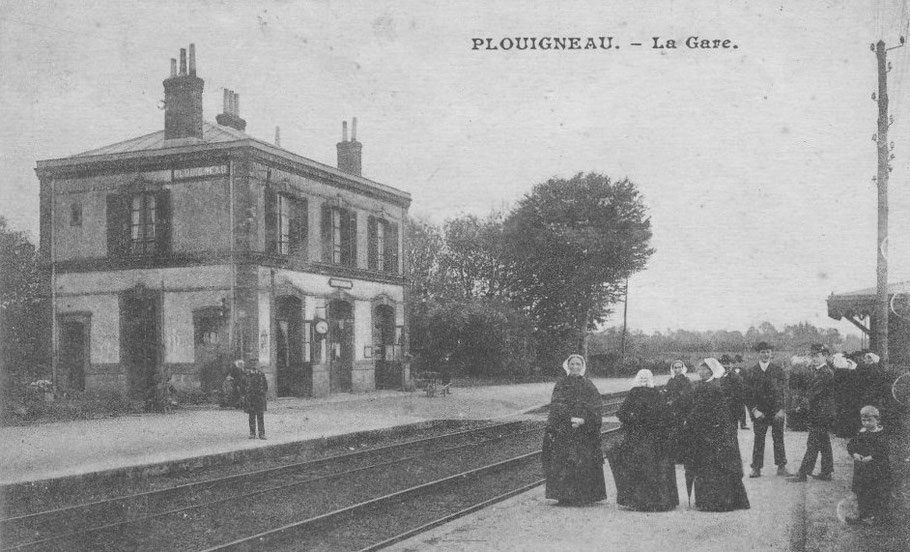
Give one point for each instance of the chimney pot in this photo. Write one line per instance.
(231, 117)
(349, 153)
(192, 60)
(278, 136)
(183, 101)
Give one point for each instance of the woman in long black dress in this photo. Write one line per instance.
(678, 384)
(572, 454)
(713, 463)
(674, 392)
(643, 471)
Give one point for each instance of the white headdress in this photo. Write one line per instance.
(644, 378)
(584, 365)
(717, 369)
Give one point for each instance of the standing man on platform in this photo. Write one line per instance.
(256, 388)
(820, 415)
(766, 387)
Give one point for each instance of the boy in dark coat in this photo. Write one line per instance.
(871, 469)
(256, 387)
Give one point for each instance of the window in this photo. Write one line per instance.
(142, 225)
(383, 245)
(138, 224)
(76, 214)
(339, 236)
(286, 224)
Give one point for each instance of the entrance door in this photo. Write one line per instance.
(140, 342)
(208, 355)
(341, 345)
(295, 377)
(73, 355)
(388, 371)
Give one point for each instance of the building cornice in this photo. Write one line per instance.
(137, 161)
(185, 260)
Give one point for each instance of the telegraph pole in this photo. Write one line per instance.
(884, 168)
(625, 316)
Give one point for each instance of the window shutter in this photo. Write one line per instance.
(118, 229)
(299, 218)
(391, 248)
(271, 221)
(163, 222)
(345, 237)
(326, 234)
(372, 245)
(352, 238)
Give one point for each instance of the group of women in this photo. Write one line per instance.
(681, 423)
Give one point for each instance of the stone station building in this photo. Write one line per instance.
(170, 254)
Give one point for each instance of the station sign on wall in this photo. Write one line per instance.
(192, 173)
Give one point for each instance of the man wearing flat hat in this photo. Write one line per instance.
(766, 386)
(820, 416)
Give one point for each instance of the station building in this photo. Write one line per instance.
(859, 308)
(171, 254)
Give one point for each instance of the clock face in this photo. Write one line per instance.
(322, 326)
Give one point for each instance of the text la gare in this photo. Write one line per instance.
(694, 43)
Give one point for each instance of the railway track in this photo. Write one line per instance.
(451, 473)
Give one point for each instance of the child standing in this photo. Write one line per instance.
(871, 469)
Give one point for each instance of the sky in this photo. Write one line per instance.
(755, 162)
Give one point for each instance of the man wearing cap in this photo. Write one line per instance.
(766, 385)
(820, 415)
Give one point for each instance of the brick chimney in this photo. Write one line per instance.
(349, 152)
(183, 99)
(231, 115)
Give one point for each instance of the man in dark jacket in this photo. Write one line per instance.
(766, 385)
(256, 387)
(820, 416)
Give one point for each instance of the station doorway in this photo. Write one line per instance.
(341, 346)
(388, 368)
(294, 375)
(140, 341)
(74, 354)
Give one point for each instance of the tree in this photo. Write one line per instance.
(572, 244)
(474, 259)
(24, 354)
(425, 244)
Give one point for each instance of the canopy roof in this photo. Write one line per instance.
(861, 302)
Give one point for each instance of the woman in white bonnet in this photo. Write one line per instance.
(643, 471)
(572, 454)
(713, 463)
(675, 389)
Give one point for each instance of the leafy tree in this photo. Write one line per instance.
(24, 353)
(474, 259)
(425, 245)
(572, 244)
